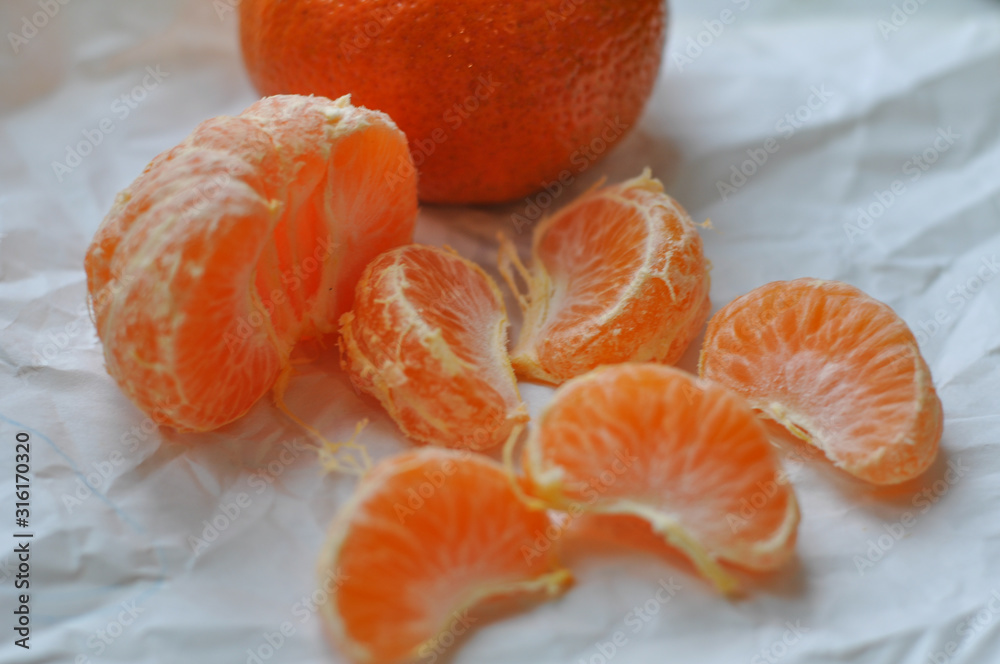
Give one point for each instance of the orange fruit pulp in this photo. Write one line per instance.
(428, 337)
(618, 275)
(233, 246)
(647, 441)
(428, 535)
(837, 368)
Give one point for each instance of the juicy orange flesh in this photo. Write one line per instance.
(435, 329)
(178, 292)
(591, 257)
(376, 205)
(620, 276)
(843, 366)
(448, 296)
(433, 532)
(652, 435)
(220, 256)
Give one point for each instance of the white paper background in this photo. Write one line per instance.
(127, 543)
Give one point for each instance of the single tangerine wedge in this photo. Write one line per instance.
(837, 368)
(618, 275)
(241, 241)
(428, 338)
(688, 457)
(427, 535)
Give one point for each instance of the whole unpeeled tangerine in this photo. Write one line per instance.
(497, 99)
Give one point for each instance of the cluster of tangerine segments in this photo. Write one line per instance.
(618, 275)
(428, 337)
(238, 243)
(837, 368)
(653, 456)
(200, 298)
(432, 533)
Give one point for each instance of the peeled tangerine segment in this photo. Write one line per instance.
(242, 240)
(651, 442)
(836, 367)
(618, 275)
(428, 338)
(429, 535)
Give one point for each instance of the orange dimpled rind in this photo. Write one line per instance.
(497, 100)
(838, 368)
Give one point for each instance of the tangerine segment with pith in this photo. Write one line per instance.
(242, 240)
(687, 456)
(428, 535)
(428, 338)
(836, 367)
(619, 275)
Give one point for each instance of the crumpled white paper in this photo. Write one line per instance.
(849, 141)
